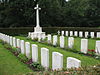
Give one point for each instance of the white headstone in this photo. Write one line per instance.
(73, 63)
(22, 47)
(70, 42)
(55, 40)
(62, 33)
(11, 40)
(49, 38)
(98, 34)
(43, 36)
(75, 33)
(58, 32)
(34, 53)
(57, 61)
(71, 33)
(8, 39)
(92, 34)
(66, 33)
(80, 34)
(97, 49)
(27, 48)
(86, 34)
(29, 34)
(14, 42)
(39, 38)
(32, 36)
(45, 57)
(84, 45)
(62, 41)
(18, 43)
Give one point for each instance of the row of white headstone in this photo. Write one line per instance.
(75, 33)
(54, 40)
(57, 58)
(84, 43)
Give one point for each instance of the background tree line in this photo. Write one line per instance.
(58, 13)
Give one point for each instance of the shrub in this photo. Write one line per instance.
(14, 49)
(22, 57)
(7, 46)
(91, 52)
(36, 66)
(35, 39)
(89, 36)
(74, 71)
(0, 41)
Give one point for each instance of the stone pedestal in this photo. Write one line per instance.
(37, 29)
(37, 33)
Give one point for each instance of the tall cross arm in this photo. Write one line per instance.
(37, 8)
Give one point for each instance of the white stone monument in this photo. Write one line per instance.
(18, 43)
(14, 42)
(66, 33)
(98, 34)
(80, 34)
(11, 40)
(97, 49)
(22, 47)
(49, 38)
(92, 34)
(62, 33)
(86, 34)
(34, 53)
(29, 34)
(58, 32)
(45, 58)
(27, 48)
(57, 61)
(37, 29)
(84, 45)
(55, 39)
(39, 38)
(7, 39)
(62, 42)
(75, 33)
(70, 42)
(73, 63)
(71, 33)
(43, 37)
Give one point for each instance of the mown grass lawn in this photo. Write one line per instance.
(86, 60)
(77, 43)
(10, 65)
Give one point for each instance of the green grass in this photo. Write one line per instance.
(10, 65)
(77, 43)
(86, 60)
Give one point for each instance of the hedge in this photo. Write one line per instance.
(48, 30)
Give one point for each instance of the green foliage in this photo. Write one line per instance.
(36, 66)
(15, 50)
(22, 57)
(79, 71)
(35, 39)
(91, 52)
(74, 13)
(0, 41)
(7, 46)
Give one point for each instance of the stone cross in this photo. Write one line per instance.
(37, 15)
(58, 32)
